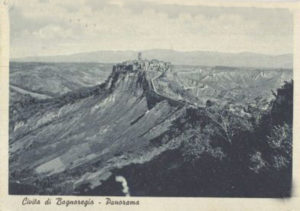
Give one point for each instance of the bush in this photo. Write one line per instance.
(280, 142)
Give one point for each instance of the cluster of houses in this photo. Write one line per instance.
(144, 64)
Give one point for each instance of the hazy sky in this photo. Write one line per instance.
(52, 27)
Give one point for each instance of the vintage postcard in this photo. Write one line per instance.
(149, 105)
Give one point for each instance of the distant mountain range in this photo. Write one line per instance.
(205, 58)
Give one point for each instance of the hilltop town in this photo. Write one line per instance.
(144, 64)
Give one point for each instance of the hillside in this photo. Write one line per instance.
(107, 126)
(76, 143)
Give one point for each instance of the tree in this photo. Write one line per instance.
(229, 119)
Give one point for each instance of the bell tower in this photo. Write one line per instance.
(139, 56)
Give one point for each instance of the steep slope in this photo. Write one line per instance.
(91, 131)
(257, 162)
(159, 139)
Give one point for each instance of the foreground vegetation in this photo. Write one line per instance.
(230, 156)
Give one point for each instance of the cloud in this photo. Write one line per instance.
(63, 27)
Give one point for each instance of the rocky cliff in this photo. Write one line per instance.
(78, 143)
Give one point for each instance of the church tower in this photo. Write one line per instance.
(140, 56)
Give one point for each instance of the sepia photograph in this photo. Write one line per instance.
(150, 99)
